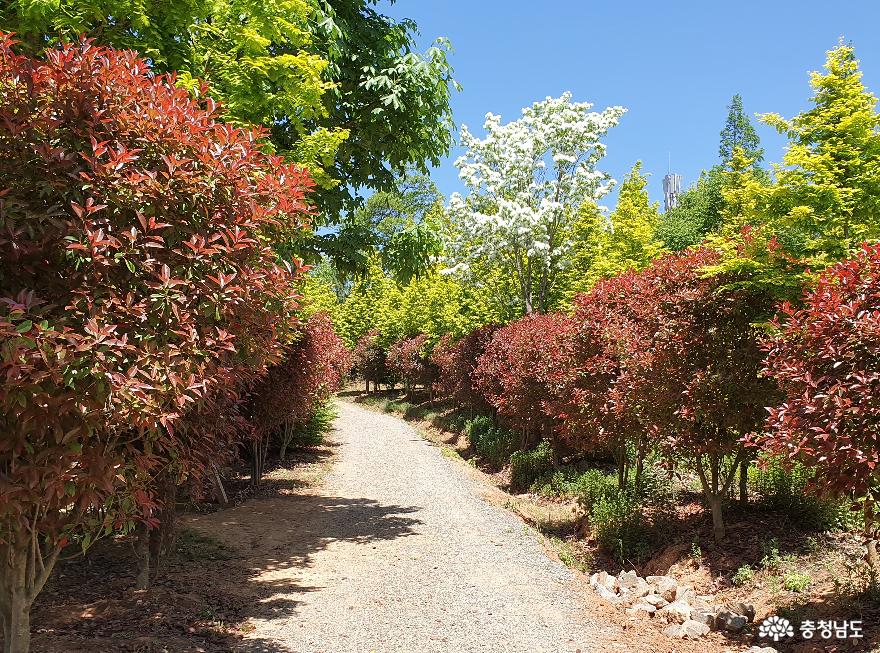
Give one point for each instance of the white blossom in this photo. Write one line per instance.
(526, 180)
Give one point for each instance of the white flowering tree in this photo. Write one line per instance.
(526, 181)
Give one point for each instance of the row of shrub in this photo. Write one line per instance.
(149, 329)
(681, 361)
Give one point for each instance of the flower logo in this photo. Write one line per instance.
(776, 628)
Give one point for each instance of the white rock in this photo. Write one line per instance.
(628, 580)
(685, 593)
(641, 610)
(642, 588)
(606, 580)
(693, 629)
(665, 585)
(607, 594)
(656, 600)
(675, 613)
(687, 630)
(673, 631)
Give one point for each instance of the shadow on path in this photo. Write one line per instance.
(232, 565)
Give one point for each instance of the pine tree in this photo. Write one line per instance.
(738, 132)
(630, 242)
(827, 195)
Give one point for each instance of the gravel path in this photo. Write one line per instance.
(396, 553)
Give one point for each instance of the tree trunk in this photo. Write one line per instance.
(17, 626)
(15, 600)
(716, 503)
(24, 570)
(640, 465)
(286, 439)
(555, 445)
(163, 538)
(555, 459)
(621, 458)
(260, 451)
(221, 491)
(872, 556)
(716, 485)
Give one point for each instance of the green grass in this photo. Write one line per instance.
(567, 555)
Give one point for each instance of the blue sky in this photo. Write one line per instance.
(674, 65)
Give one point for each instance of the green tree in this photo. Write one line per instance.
(826, 198)
(259, 58)
(320, 293)
(392, 101)
(403, 225)
(585, 235)
(339, 85)
(739, 132)
(370, 304)
(630, 239)
(698, 212)
(701, 208)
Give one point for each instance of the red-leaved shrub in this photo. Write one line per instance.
(409, 360)
(369, 359)
(138, 289)
(826, 359)
(455, 361)
(691, 363)
(587, 366)
(314, 367)
(514, 373)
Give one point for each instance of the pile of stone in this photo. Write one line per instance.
(688, 614)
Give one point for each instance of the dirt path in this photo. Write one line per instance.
(396, 552)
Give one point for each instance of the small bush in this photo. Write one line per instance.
(555, 484)
(773, 559)
(569, 556)
(619, 527)
(795, 582)
(785, 488)
(527, 466)
(593, 486)
(496, 446)
(655, 485)
(312, 432)
(743, 575)
(492, 443)
(476, 427)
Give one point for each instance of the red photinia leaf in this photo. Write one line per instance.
(826, 358)
(130, 362)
